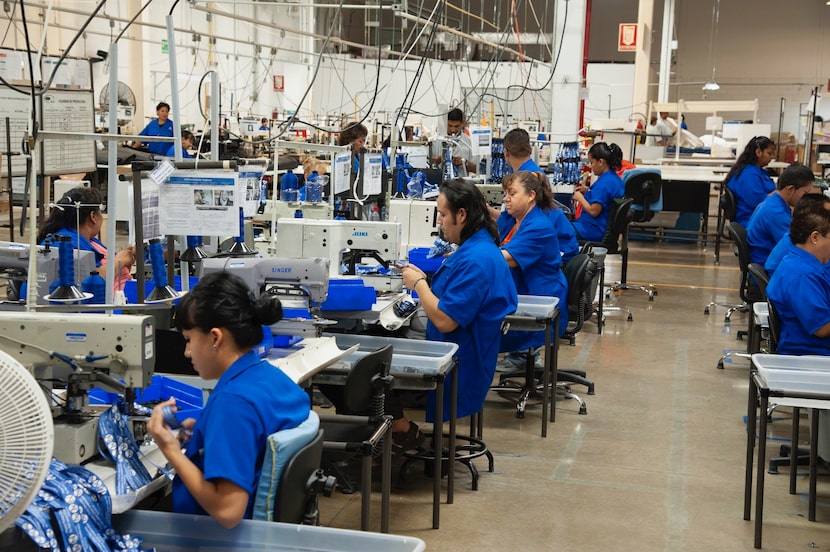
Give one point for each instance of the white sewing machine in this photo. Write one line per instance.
(14, 264)
(418, 218)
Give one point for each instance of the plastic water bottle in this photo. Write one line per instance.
(314, 188)
(95, 285)
(288, 187)
(375, 213)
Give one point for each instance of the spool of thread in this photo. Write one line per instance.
(157, 262)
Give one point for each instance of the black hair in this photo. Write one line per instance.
(163, 104)
(748, 156)
(461, 194)
(796, 175)
(351, 132)
(810, 215)
(535, 182)
(64, 214)
(222, 300)
(455, 114)
(611, 153)
(187, 135)
(517, 142)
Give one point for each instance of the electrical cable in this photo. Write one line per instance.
(136, 16)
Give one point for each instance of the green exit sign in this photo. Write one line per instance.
(164, 47)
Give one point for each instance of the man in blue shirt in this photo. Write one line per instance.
(162, 126)
(771, 220)
(800, 289)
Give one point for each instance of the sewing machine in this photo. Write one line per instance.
(14, 264)
(347, 244)
(84, 351)
(287, 209)
(418, 220)
(298, 283)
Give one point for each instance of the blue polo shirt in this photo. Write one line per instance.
(608, 186)
(800, 290)
(251, 400)
(751, 186)
(153, 129)
(565, 234)
(769, 223)
(474, 288)
(784, 246)
(530, 166)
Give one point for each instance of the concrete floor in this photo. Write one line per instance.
(658, 461)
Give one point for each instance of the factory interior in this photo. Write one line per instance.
(318, 157)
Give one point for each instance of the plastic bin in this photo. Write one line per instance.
(349, 294)
(189, 399)
(538, 306)
(408, 355)
(190, 533)
(418, 257)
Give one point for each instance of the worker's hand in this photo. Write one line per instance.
(457, 161)
(437, 159)
(161, 432)
(411, 274)
(126, 256)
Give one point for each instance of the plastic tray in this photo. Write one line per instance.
(189, 533)
(418, 257)
(797, 381)
(790, 362)
(538, 306)
(348, 294)
(415, 356)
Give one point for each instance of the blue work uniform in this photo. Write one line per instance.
(154, 129)
(768, 224)
(565, 234)
(751, 186)
(530, 166)
(80, 242)
(800, 291)
(475, 289)
(535, 249)
(784, 246)
(171, 152)
(252, 400)
(608, 186)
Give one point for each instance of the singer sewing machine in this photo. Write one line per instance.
(71, 353)
(366, 249)
(298, 283)
(14, 265)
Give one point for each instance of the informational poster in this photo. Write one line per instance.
(341, 172)
(18, 108)
(149, 211)
(11, 65)
(481, 139)
(249, 180)
(200, 203)
(71, 73)
(373, 175)
(68, 111)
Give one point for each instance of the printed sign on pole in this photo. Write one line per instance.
(628, 38)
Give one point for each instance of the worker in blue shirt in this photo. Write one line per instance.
(518, 156)
(748, 180)
(354, 134)
(604, 160)
(470, 295)
(187, 144)
(218, 472)
(771, 220)
(785, 245)
(161, 126)
(263, 124)
(800, 289)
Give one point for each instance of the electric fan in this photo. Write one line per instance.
(26, 438)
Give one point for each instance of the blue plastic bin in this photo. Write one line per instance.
(348, 295)
(418, 257)
(189, 399)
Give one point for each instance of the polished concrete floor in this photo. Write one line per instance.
(658, 461)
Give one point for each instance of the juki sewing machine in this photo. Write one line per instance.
(71, 353)
(347, 244)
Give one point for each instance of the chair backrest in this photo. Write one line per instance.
(728, 207)
(279, 450)
(361, 385)
(774, 327)
(759, 274)
(579, 272)
(293, 486)
(617, 225)
(645, 187)
(748, 289)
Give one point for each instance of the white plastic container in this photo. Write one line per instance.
(408, 355)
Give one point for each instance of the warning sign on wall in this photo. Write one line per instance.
(628, 38)
(279, 83)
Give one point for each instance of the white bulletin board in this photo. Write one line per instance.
(68, 111)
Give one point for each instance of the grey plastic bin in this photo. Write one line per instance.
(190, 533)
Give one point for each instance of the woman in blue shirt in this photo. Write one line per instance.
(470, 294)
(162, 126)
(218, 472)
(748, 180)
(354, 134)
(604, 160)
(187, 144)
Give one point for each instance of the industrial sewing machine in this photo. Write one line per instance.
(14, 265)
(367, 249)
(71, 353)
(418, 218)
(298, 283)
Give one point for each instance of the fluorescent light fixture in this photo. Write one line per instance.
(711, 85)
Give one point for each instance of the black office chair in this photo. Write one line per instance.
(755, 333)
(363, 431)
(645, 188)
(615, 241)
(302, 477)
(748, 289)
(727, 206)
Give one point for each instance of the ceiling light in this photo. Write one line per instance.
(711, 85)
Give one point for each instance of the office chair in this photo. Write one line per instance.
(645, 187)
(748, 290)
(291, 471)
(754, 332)
(363, 431)
(615, 242)
(726, 212)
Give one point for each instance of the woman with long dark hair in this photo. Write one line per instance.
(748, 180)
(595, 200)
